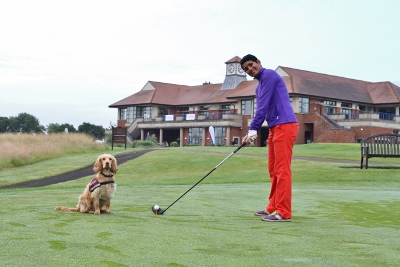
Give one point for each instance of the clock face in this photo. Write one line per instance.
(239, 68)
(231, 68)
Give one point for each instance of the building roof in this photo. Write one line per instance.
(159, 93)
(383, 92)
(333, 87)
(298, 82)
(244, 89)
(235, 59)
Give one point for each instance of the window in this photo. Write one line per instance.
(347, 113)
(226, 109)
(220, 136)
(130, 114)
(346, 105)
(304, 105)
(235, 140)
(122, 114)
(387, 110)
(204, 110)
(246, 107)
(163, 111)
(330, 107)
(184, 110)
(144, 112)
(346, 110)
(195, 136)
(386, 113)
(133, 113)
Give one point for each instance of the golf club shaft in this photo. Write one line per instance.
(237, 149)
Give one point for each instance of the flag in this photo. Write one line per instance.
(212, 134)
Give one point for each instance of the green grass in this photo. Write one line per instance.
(342, 215)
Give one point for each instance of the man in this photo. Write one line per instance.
(273, 106)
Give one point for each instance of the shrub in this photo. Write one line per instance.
(153, 138)
(174, 144)
(146, 144)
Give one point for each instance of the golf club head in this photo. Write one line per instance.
(160, 211)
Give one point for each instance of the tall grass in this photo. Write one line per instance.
(24, 149)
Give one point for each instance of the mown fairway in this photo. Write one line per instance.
(342, 215)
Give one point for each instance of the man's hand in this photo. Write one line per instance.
(250, 137)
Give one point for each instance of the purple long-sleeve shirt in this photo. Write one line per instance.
(273, 103)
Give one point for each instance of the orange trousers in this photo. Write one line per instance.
(280, 149)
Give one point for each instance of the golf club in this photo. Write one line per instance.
(159, 211)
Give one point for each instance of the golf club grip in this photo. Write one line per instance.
(237, 149)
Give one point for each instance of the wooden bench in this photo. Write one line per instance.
(385, 145)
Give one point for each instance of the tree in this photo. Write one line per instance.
(4, 122)
(56, 128)
(53, 128)
(70, 127)
(25, 123)
(96, 131)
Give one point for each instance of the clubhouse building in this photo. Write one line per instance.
(330, 109)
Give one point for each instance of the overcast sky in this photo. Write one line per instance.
(67, 61)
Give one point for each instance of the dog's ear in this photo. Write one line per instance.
(98, 167)
(114, 166)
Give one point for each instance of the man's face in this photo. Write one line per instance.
(252, 68)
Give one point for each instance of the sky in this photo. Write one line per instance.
(67, 61)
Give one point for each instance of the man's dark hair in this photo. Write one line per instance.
(247, 58)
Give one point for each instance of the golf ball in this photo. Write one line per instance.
(156, 207)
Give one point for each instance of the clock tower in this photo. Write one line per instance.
(234, 74)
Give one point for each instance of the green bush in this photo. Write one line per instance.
(154, 139)
(174, 144)
(137, 144)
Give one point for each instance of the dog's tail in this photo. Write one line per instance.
(66, 209)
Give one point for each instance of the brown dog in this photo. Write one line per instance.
(100, 190)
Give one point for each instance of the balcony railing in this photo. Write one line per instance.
(364, 115)
(191, 117)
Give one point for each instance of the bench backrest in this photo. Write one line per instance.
(382, 144)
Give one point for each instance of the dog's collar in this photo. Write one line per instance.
(107, 175)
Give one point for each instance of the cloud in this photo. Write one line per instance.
(86, 55)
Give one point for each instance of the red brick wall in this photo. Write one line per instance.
(322, 132)
(300, 136)
(121, 123)
(310, 122)
(364, 132)
(338, 136)
(318, 107)
(236, 132)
